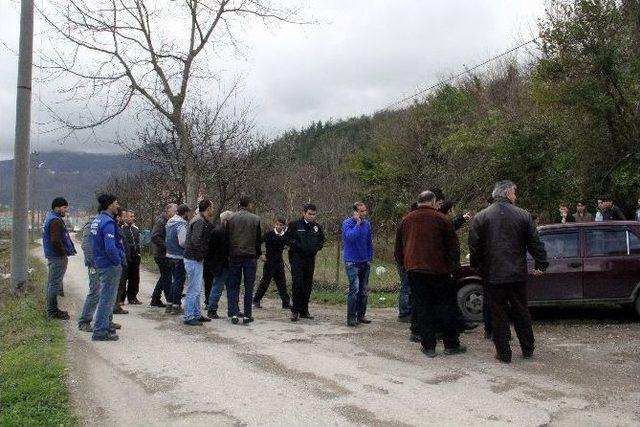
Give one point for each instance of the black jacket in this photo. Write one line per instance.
(304, 239)
(131, 240)
(158, 234)
(218, 255)
(274, 245)
(613, 214)
(198, 234)
(499, 239)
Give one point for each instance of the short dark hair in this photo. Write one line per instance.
(105, 200)
(413, 206)
(309, 207)
(245, 201)
(204, 204)
(446, 207)
(59, 202)
(183, 209)
(605, 198)
(582, 202)
(281, 220)
(438, 192)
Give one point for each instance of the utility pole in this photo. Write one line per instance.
(21, 163)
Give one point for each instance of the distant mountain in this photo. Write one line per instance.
(72, 175)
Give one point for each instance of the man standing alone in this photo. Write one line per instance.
(57, 246)
(358, 252)
(305, 238)
(159, 252)
(499, 239)
(245, 247)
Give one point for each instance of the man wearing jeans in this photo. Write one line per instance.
(176, 232)
(108, 257)
(358, 251)
(159, 251)
(57, 247)
(245, 247)
(195, 251)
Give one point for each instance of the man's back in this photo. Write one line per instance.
(244, 234)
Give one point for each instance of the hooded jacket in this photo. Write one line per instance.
(176, 237)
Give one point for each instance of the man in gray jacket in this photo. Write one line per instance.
(176, 232)
(499, 239)
(245, 247)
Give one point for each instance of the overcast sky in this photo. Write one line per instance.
(360, 57)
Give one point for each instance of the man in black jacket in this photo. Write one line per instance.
(304, 238)
(274, 241)
(130, 281)
(159, 252)
(500, 237)
(217, 265)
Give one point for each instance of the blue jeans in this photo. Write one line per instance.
(194, 277)
(239, 268)
(358, 274)
(404, 303)
(108, 278)
(178, 276)
(91, 302)
(219, 282)
(57, 268)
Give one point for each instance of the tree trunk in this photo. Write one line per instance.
(190, 177)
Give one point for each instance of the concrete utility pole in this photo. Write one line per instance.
(21, 165)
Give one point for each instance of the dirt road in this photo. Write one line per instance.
(274, 372)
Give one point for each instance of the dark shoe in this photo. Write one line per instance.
(295, 316)
(114, 325)
(352, 322)
(193, 322)
(257, 304)
(246, 320)
(364, 320)
(157, 303)
(457, 350)
(415, 337)
(107, 337)
(85, 327)
(120, 310)
(404, 319)
(431, 353)
(286, 306)
(61, 315)
(204, 319)
(503, 358)
(168, 309)
(135, 302)
(235, 320)
(307, 316)
(527, 354)
(212, 314)
(177, 310)
(61, 293)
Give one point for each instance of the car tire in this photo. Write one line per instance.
(470, 299)
(637, 305)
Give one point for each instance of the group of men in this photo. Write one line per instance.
(606, 211)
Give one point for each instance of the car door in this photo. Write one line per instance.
(611, 263)
(563, 278)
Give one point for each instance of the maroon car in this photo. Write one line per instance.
(595, 262)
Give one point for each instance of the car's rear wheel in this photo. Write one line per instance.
(470, 299)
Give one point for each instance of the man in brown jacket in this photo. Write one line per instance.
(428, 246)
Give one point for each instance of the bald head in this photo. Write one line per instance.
(427, 198)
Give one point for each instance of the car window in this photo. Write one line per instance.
(560, 245)
(606, 242)
(634, 244)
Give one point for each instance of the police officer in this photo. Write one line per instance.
(274, 241)
(304, 238)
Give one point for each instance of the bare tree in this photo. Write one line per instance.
(144, 55)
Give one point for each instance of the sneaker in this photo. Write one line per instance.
(235, 320)
(352, 322)
(457, 350)
(120, 310)
(246, 320)
(169, 309)
(364, 320)
(114, 325)
(204, 319)
(106, 337)
(177, 310)
(157, 303)
(213, 314)
(415, 337)
(404, 319)
(193, 322)
(431, 353)
(135, 301)
(62, 315)
(257, 304)
(85, 327)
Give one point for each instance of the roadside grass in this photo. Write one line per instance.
(33, 389)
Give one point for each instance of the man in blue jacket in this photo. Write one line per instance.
(57, 247)
(357, 240)
(108, 257)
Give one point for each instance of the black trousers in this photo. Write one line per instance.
(273, 270)
(208, 277)
(434, 300)
(302, 269)
(164, 281)
(130, 280)
(510, 299)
